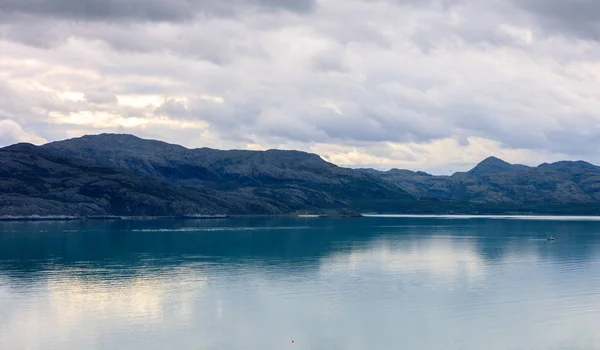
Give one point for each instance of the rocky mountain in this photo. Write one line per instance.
(126, 175)
(109, 174)
(494, 182)
(296, 180)
(493, 165)
(34, 181)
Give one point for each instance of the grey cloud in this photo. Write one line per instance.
(228, 119)
(331, 60)
(100, 97)
(10, 102)
(436, 4)
(197, 42)
(379, 119)
(575, 142)
(350, 73)
(572, 17)
(143, 10)
(173, 108)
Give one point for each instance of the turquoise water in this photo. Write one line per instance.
(360, 283)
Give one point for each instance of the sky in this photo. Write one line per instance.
(434, 85)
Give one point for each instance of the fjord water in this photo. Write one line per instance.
(258, 283)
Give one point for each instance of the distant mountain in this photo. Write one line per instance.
(493, 165)
(126, 175)
(494, 181)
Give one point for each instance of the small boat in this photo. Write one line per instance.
(549, 238)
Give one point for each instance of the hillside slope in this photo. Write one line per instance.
(34, 181)
(297, 180)
(112, 174)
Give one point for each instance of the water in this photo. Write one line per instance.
(361, 283)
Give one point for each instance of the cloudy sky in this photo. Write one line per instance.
(419, 84)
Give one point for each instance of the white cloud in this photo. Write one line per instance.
(523, 35)
(11, 132)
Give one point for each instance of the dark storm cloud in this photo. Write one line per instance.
(145, 10)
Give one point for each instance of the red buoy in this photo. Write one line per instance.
(292, 341)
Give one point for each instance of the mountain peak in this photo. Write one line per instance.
(493, 165)
(493, 160)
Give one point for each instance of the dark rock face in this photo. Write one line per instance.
(113, 174)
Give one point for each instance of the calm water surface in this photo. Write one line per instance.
(363, 283)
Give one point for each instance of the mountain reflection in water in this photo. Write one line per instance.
(381, 283)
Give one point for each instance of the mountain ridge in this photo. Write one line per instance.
(119, 173)
(485, 162)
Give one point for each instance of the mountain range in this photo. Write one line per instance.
(119, 174)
